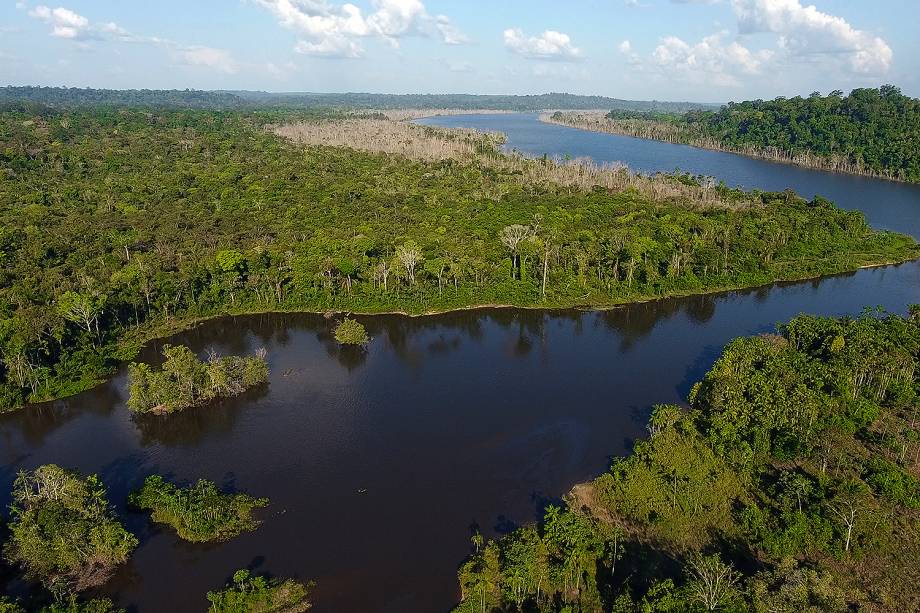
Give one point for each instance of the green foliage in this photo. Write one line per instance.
(351, 332)
(248, 594)
(68, 605)
(544, 569)
(796, 588)
(790, 460)
(674, 482)
(893, 482)
(8, 605)
(72, 605)
(199, 513)
(871, 131)
(120, 225)
(76, 97)
(63, 531)
(184, 381)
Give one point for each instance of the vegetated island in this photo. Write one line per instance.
(64, 604)
(64, 533)
(120, 225)
(184, 381)
(351, 332)
(199, 513)
(791, 483)
(249, 594)
(871, 132)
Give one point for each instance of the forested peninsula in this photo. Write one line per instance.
(791, 482)
(872, 132)
(120, 225)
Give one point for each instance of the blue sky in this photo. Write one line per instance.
(710, 50)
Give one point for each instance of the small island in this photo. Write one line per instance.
(260, 595)
(351, 332)
(63, 532)
(199, 513)
(184, 381)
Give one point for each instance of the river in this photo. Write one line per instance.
(449, 422)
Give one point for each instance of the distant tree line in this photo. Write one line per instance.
(71, 97)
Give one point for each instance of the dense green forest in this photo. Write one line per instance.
(119, 225)
(872, 131)
(64, 97)
(790, 483)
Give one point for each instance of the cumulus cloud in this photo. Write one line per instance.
(209, 57)
(804, 30)
(64, 22)
(332, 30)
(710, 60)
(551, 45)
(70, 25)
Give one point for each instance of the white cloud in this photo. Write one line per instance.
(64, 22)
(708, 61)
(804, 30)
(626, 50)
(67, 24)
(449, 32)
(551, 45)
(332, 46)
(218, 59)
(332, 30)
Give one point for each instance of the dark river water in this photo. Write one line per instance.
(470, 419)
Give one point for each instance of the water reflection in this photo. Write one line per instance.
(188, 427)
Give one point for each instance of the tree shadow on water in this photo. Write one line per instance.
(190, 426)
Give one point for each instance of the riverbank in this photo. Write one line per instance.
(351, 222)
(136, 339)
(730, 472)
(667, 133)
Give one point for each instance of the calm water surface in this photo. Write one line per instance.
(471, 419)
(887, 204)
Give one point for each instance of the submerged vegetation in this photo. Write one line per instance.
(184, 381)
(870, 132)
(117, 226)
(63, 531)
(199, 513)
(789, 484)
(248, 594)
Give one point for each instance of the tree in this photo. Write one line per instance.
(351, 332)
(848, 505)
(82, 308)
(511, 237)
(409, 256)
(63, 531)
(712, 582)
